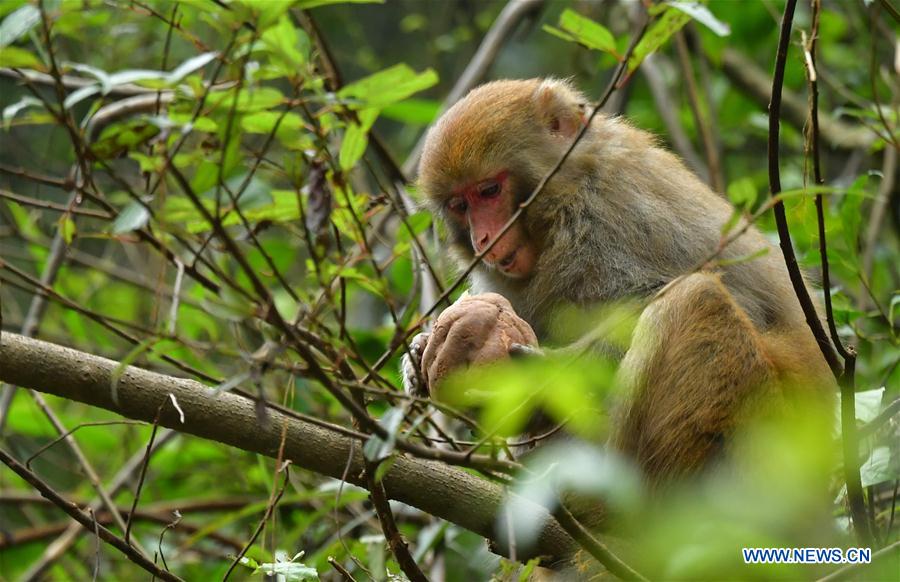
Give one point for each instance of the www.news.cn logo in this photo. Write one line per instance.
(807, 555)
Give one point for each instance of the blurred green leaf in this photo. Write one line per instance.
(255, 99)
(742, 193)
(701, 13)
(133, 217)
(67, 228)
(878, 468)
(356, 138)
(388, 86)
(289, 43)
(12, 56)
(266, 121)
(18, 23)
(413, 111)
(659, 33)
(10, 111)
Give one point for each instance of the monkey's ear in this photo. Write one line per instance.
(558, 107)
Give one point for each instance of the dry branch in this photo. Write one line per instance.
(441, 490)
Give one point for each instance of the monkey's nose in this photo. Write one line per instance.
(482, 242)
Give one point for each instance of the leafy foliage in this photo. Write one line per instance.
(178, 180)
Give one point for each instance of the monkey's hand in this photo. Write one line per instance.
(477, 329)
(411, 365)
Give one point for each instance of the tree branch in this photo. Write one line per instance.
(441, 490)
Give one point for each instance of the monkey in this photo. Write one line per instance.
(622, 218)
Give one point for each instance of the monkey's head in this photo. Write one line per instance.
(485, 156)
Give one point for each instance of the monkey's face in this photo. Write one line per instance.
(484, 157)
(479, 211)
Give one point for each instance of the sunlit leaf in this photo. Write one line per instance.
(10, 111)
(388, 86)
(256, 99)
(701, 13)
(377, 448)
(659, 33)
(18, 23)
(288, 42)
(266, 121)
(12, 56)
(189, 66)
(413, 111)
(878, 468)
(356, 138)
(868, 404)
(742, 193)
(583, 30)
(133, 217)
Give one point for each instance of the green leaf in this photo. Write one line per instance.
(583, 30)
(388, 86)
(67, 228)
(878, 468)
(256, 99)
(742, 193)
(413, 111)
(189, 66)
(356, 138)
(377, 448)
(18, 24)
(868, 404)
(133, 217)
(10, 111)
(265, 121)
(12, 56)
(285, 40)
(671, 21)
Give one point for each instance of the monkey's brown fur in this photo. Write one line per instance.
(625, 218)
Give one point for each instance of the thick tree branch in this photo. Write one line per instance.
(441, 490)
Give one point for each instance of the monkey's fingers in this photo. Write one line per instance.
(414, 383)
(522, 351)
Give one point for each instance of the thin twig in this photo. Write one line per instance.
(852, 569)
(395, 540)
(85, 520)
(594, 547)
(846, 379)
(784, 234)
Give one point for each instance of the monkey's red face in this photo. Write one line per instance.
(484, 208)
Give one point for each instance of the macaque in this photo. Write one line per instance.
(622, 219)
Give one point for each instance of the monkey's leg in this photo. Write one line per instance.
(695, 363)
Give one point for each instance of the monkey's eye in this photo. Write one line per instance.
(457, 205)
(490, 191)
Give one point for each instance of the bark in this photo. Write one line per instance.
(441, 490)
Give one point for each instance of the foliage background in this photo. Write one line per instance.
(319, 217)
